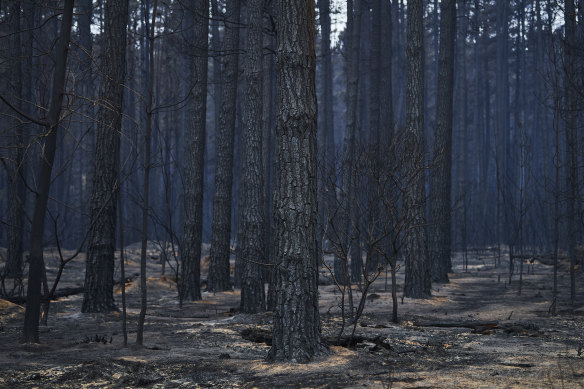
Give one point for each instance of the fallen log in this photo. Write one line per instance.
(261, 335)
(486, 328)
(473, 325)
(63, 292)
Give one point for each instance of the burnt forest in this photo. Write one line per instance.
(291, 194)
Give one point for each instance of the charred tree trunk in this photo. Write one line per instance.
(33, 300)
(147, 168)
(386, 125)
(84, 129)
(502, 119)
(347, 192)
(441, 213)
(570, 78)
(194, 149)
(417, 272)
(297, 331)
(219, 278)
(17, 193)
(250, 241)
(326, 134)
(99, 267)
(268, 154)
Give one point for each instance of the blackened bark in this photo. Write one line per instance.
(327, 143)
(216, 54)
(99, 267)
(147, 167)
(33, 300)
(194, 149)
(250, 241)
(347, 192)
(375, 76)
(386, 124)
(417, 280)
(219, 278)
(268, 152)
(571, 141)
(297, 331)
(84, 130)
(441, 214)
(502, 121)
(375, 138)
(16, 196)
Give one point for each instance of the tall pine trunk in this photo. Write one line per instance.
(33, 295)
(417, 272)
(268, 121)
(347, 192)
(250, 241)
(219, 278)
(502, 120)
(16, 169)
(571, 177)
(99, 266)
(297, 331)
(441, 214)
(326, 133)
(190, 286)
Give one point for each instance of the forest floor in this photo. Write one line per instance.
(475, 332)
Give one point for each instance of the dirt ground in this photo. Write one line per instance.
(438, 342)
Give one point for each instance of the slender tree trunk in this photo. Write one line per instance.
(84, 130)
(441, 214)
(417, 281)
(557, 193)
(326, 133)
(219, 278)
(268, 155)
(146, 187)
(386, 126)
(297, 331)
(217, 54)
(16, 169)
(123, 272)
(194, 150)
(375, 138)
(462, 140)
(347, 192)
(33, 300)
(570, 78)
(251, 224)
(502, 120)
(99, 266)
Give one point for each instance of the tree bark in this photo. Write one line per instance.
(219, 278)
(387, 124)
(268, 124)
(326, 134)
(417, 272)
(194, 150)
(31, 316)
(441, 214)
(250, 241)
(83, 128)
(502, 120)
(347, 192)
(297, 331)
(16, 168)
(99, 266)
(147, 167)
(571, 177)
(375, 76)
